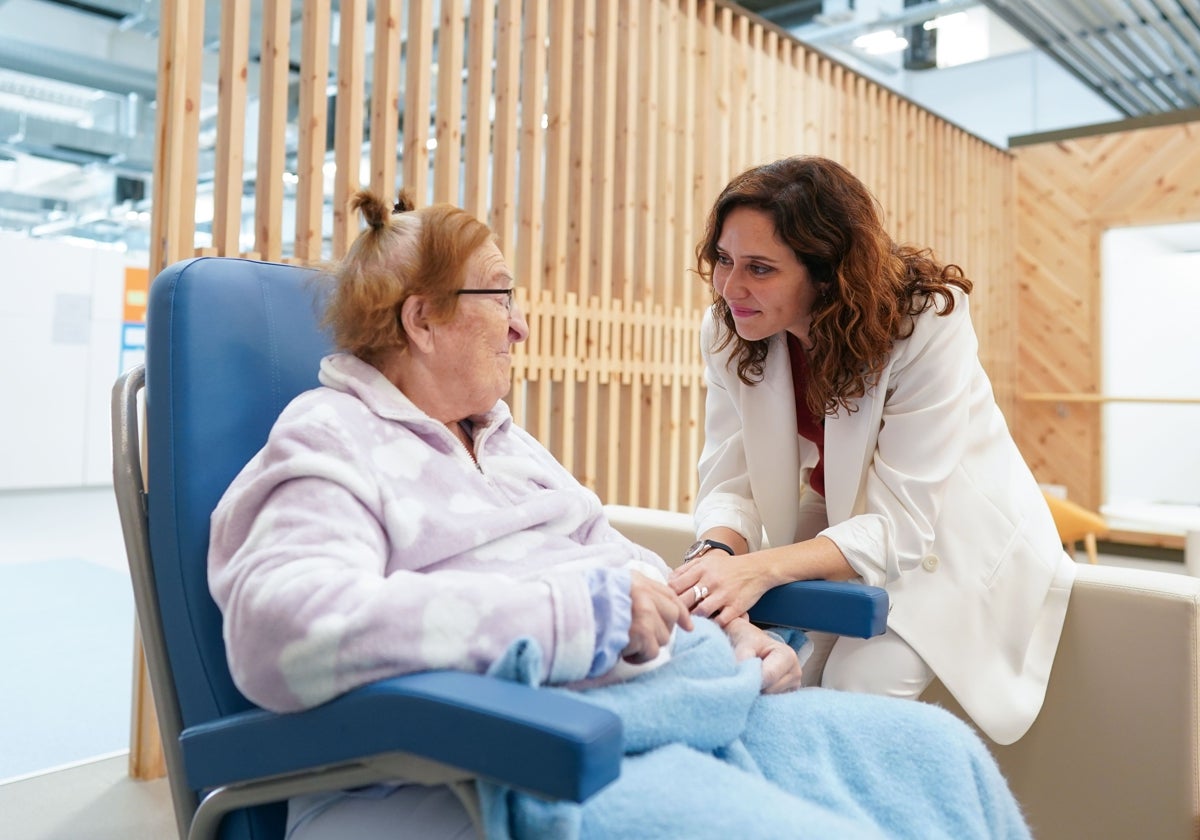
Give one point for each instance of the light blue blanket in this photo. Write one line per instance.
(706, 755)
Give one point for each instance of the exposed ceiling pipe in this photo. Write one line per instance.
(1183, 59)
(1130, 45)
(1075, 54)
(846, 32)
(51, 63)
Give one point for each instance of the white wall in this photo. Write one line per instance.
(1007, 96)
(61, 309)
(1151, 348)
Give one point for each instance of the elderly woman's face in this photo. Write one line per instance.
(478, 357)
(767, 289)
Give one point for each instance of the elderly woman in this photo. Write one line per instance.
(397, 521)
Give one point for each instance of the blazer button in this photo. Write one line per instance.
(930, 562)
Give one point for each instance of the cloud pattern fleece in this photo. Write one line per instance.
(322, 547)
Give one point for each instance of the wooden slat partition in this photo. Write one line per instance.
(1070, 189)
(593, 136)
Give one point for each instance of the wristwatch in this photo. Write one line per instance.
(702, 547)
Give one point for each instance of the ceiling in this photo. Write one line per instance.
(77, 85)
(1143, 56)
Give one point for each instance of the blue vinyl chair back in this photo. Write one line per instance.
(229, 343)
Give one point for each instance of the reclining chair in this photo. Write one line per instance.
(229, 343)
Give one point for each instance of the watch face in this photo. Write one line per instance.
(694, 550)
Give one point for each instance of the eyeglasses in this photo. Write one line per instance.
(508, 294)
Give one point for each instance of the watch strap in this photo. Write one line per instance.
(715, 544)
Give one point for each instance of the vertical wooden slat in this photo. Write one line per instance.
(705, 186)
(665, 394)
(530, 208)
(724, 67)
(231, 126)
(417, 99)
(385, 103)
(664, 279)
(688, 208)
(599, 342)
(772, 64)
(578, 267)
(580, 263)
(272, 128)
(628, 143)
(504, 144)
(310, 152)
(646, 210)
(604, 170)
(169, 145)
(554, 265)
(740, 112)
(448, 158)
(623, 445)
(812, 102)
(481, 43)
(533, 109)
(558, 148)
(146, 759)
(348, 119)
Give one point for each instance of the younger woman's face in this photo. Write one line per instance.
(767, 288)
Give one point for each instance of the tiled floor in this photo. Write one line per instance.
(96, 800)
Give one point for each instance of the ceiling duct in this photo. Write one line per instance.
(70, 143)
(1139, 55)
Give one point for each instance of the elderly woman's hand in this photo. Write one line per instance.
(721, 587)
(655, 612)
(780, 667)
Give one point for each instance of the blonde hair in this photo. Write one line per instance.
(403, 252)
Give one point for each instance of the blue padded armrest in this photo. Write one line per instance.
(569, 749)
(847, 609)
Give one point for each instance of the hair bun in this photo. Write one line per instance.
(404, 203)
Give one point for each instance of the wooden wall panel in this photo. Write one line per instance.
(1069, 191)
(594, 149)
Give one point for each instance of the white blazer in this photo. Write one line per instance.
(926, 495)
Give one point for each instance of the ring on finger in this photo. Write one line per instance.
(699, 593)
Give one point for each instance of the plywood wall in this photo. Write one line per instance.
(1069, 191)
(592, 135)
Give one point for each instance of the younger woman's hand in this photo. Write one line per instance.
(719, 586)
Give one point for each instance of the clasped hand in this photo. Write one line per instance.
(781, 670)
(654, 612)
(727, 586)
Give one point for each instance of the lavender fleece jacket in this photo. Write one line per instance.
(363, 542)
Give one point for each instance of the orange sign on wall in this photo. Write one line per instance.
(137, 287)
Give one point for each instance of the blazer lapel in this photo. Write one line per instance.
(772, 449)
(850, 441)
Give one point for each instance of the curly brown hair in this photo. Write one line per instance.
(403, 252)
(868, 288)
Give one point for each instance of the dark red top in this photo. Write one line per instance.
(810, 427)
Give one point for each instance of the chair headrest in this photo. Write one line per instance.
(229, 343)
